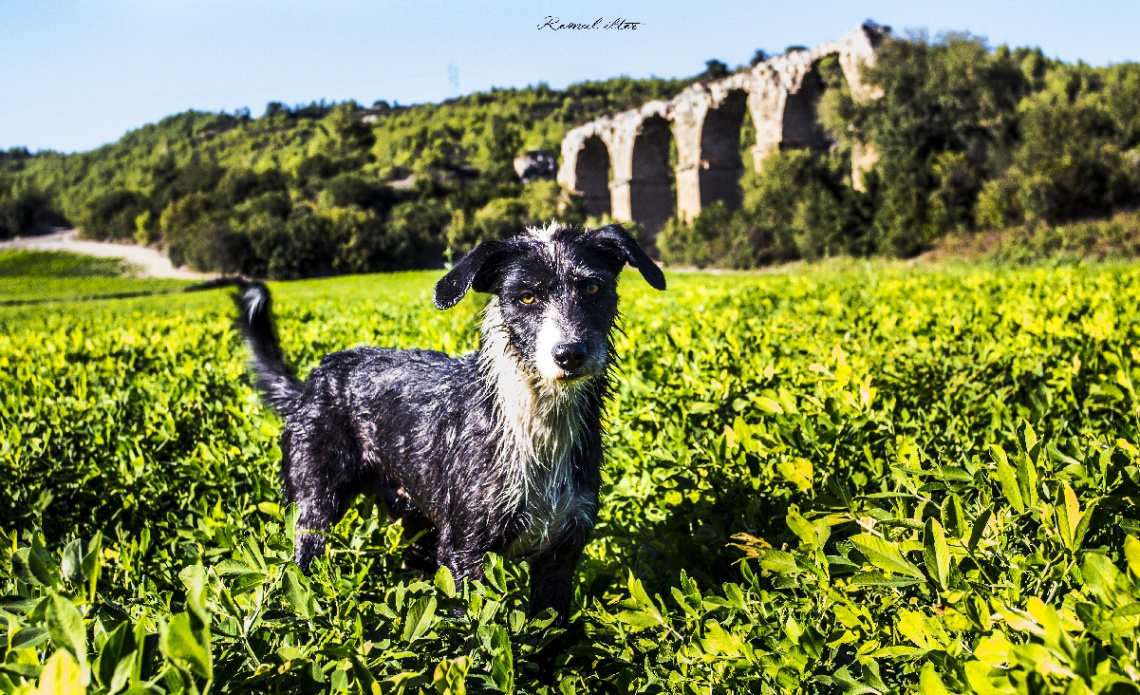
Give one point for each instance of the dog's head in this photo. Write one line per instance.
(556, 291)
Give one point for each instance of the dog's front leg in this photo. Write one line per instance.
(462, 556)
(552, 572)
(317, 515)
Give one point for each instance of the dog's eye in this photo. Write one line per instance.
(527, 297)
(592, 288)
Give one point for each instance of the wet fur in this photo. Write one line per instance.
(498, 450)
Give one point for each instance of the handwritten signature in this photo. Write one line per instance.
(556, 24)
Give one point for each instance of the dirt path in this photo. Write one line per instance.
(151, 263)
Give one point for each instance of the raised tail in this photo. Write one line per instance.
(279, 388)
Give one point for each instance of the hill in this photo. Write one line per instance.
(317, 189)
(969, 139)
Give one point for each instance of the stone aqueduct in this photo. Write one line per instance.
(781, 94)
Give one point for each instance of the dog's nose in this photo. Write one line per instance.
(570, 355)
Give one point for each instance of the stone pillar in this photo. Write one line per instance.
(858, 52)
(766, 103)
(688, 118)
(622, 135)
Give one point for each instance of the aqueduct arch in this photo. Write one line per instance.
(651, 180)
(781, 94)
(720, 165)
(592, 172)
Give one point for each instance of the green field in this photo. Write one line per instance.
(855, 478)
(36, 277)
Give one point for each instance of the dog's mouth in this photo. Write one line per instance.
(569, 377)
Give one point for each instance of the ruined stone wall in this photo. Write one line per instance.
(780, 93)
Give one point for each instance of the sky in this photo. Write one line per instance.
(76, 74)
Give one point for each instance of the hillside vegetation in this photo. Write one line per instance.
(313, 189)
(968, 139)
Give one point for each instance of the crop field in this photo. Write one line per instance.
(860, 478)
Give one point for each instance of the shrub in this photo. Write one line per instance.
(111, 215)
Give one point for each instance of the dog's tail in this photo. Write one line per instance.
(279, 387)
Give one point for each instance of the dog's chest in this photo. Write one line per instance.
(542, 448)
(551, 502)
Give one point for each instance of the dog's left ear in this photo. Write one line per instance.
(477, 268)
(615, 239)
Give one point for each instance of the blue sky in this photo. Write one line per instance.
(75, 74)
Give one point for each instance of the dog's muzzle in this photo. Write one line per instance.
(570, 356)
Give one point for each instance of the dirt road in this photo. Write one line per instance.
(151, 263)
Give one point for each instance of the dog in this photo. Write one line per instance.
(497, 450)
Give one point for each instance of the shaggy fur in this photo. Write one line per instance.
(497, 450)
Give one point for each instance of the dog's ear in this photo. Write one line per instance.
(615, 239)
(477, 269)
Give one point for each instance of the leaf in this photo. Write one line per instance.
(637, 618)
(92, 565)
(735, 596)
(797, 471)
(65, 625)
(912, 625)
(18, 604)
(1069, 516)
(194, 580)
(183, 643)
(420, 618)
(502, 663)
(450, 676)
(72, 565)
(1030, 436)
(1132, 553)
(297, 593)
(30, 671)
(29, 637)
(768, 405)
(114, 661)
(1007, 478)
(444, 581)
(780, 562)
(885, 555)
(979, 529)
(1083, 526)
(877, 578)
(61, 675)
(30, 566)
(230, 567)
(637, 591)
(493, 570)
(852, 686)
(993, 650)
(808, 532)
(936, 553)
(953, 518)
(1027, 480)
(721, 642)
(929, 683)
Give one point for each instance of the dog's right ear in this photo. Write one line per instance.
(477, 269)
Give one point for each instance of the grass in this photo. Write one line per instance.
(862, 477)
(34, 277)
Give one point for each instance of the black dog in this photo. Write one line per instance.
(498, 450)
